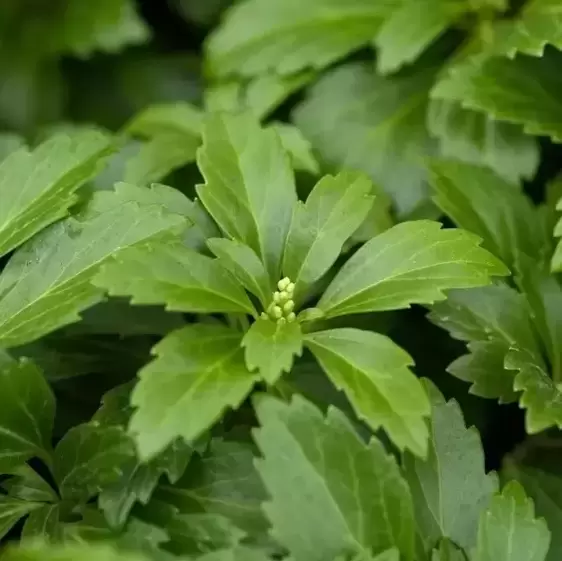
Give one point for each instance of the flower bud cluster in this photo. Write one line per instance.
(282, 306)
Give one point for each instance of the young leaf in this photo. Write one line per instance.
(380, 124)
(351, 496)
(89, 458)
(47, 282)
(221, 481)
(286, 36)
(374, 374)
(475, 138)
(245, 265)
(491, 320)
(175, 276)
(12, 510)
(27, 411)
(479, 201)
(297, 146)
(270, 347)
(249, 189)
(412, 263)
(450, 488)
(509, 531)
(541, 397)
(520, 91)
(38, 186)
(198, 372)
(411, 27)
(333, 211)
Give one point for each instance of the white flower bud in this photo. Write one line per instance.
(276, 312)
(289, 306)
(291, 317)
(283, 283)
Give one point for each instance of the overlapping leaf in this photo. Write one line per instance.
(450, 488)
(413, 262)
(38, 186)
(249, 189)
(351, 496)
(374, 374)
(47, 282)
(356, 119)
(198, 372)
(287, 36)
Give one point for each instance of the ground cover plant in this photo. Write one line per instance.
(279, 280)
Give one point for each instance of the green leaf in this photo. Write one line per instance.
(447, 552)
(27, 411)
(260, 96)
(475, 138)
(411, 27)
(235, 554)
(298, 147)
(9, 143)
(374, 374)
(546, 490)
(47, 282)
(12, 510)
(26, 484)
(333, 211)
(412, 263)
(106, 25)
(330, 493)
(43, 522)
(245, 265)
(286, 36)
(198, 372)
(541, 397)
(180, 119)
(491, 320)
(42, 551)
(380, 124)
(450, 488)
(38, 186)
(479, 201)
(522, 91)
(271, 346)
(509, 531)
(175, 276)
(221, 481)
(89, 458)
(249, 189)
(557, 257)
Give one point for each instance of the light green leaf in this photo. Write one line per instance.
(379, 219)
(509, 531)
(374, 374)
(38, 186)
(249, 189)
(491, 320)
(43, 551)
(270, 347)
(105, 25)
(198, 372)
(239, 553)
(27, 411)
(411, 27)
(286, 36)
(180, 119)
(450, 488)
(175, 276)
(541, 397)
(475, 138)
(221, 481)
(351, 496)
(260, 96)
(412, 263)
(334, 210)
(298, 147)
(9, 143)
(522, 91)
(380, 124)
(47, 282)
(245, 265)
(545, 489)
(479, 201)
(89, 458)
(12, 510)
